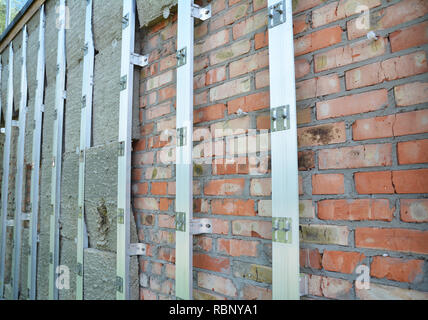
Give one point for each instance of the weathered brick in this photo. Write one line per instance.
(251, 228)
(159, 80)
(237, 248)
(411, 93)
(236, 207)
(374, 182)
(215, 75)
(403, 240)
(317, 40)
(158, 173)
(391, 69)
(302, 5)
(310, 258)
(321, 134)
(229, 17)
(302, 68)
(252, 272)
(211, 42)
(224, 187)
(251, 292)
(249, 25)
(209, 113)
(334, 288)
(414, 210)
(216, 283)
(146, 203)
(230, 88)
(332, 183)
(300, 24)
(355, 210)
(341, 261)
(410, 181)
(324, 234)
(253, 102)
(396, 269)
(413, 36)
(159, 188)
(352, 104)
(236, 49)
(317, 87)
(207, 262)
(383, 292)
(411, 123)
(373, 128)
(261, 187)
(412, 152)
(371, 155)
(249, 64)
(306, 209)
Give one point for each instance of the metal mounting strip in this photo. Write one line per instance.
(57, 154)
(285, 195)
(6, 168)
(187, 10)
(124, 156)
(139, 60)
(85, 143)
(17, 232)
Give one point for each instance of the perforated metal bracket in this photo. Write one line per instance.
(181, 137)
(280, 118)
(180, 221)
(201, 13)
(125, 21)
(181, 56)
(281, 230)
(201, 226)
(304, 284)
(137, 249)
(276, 14)
(139, 60)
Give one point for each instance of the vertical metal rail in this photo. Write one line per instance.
(129, 59)
(285, 195)
(8, 13)
(85, 143)
(187, 11)
(16, 258)
(6, 167)
(35, 172)
(60, 96)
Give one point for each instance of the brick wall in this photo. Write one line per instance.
(363, 124)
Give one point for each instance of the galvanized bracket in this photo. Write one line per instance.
(280, 118)
(137, 249)
(79, 269)
(276, 14)
(85, 49)
(139, 60)
(201, 226)
(182, 137)
(121, 149)
(281, 230)
(120, 216)
(83, 102)
(125, 21)
(180, 221)
(181, 56)
(201, 13)
(119, 284)
(123, 82)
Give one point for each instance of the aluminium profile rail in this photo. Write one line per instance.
(285, 195)
(185, 224)
(60, 96)
(85, 143)
(35, 164)
(17, 230)
(129, 59)
(6, 168)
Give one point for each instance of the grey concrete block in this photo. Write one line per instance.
(150, 10)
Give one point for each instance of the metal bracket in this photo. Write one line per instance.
(85, 49)
(79, 269)
(125, 21)
(123, 82)
(139, 60)
(10, 223)
(180, 221)
(181, 56)
(25, 217)
(281, 230)
(276, 14)
(201, 13)
(182, 136)
(83, 102)
(120, 216)
(15, 123)
(137, 249)
(280, 118)
(304, 284)
(119, 284)
(121, 149)
(201, 226)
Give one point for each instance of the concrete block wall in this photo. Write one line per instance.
(363, 124)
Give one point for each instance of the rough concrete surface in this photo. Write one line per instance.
(150, 11)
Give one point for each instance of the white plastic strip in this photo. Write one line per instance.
(60, 96)
(35, 172)
(85, 143)
(285, 195)
(16, 259)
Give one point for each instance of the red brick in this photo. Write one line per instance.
(211, 42)
(146, 203)
(224, 187)
(218, 284)
(332, 183)
(302, 5)
(341, 261)
(158, 111)
(411, 93)
(306, 160)
(249, 25)
(209, 113)
(159, 80)
(166, 93)
(215, 75)
(300, 24)
(391, 69)
(334, 288)
(253, 102)
(317, 40)
(317, 87)
(352, 53)
(259, 4)
(371, 155)
(352, 104)
(204, 243)
(140, 188)
(310, 258)
(251, 228)
(412, 152)
(223, 168)
(396, 269)
(217, 264)
(410, 181)
(237, 248)
(236, 49)
(168, 62)
(411, 123)
(166, 221)
(236, 207)
(251, 292)
(321, 135)
(414, 210)
(229, 17)
(249, 64)
(374, 182)
(262, 79)
(261, 40)
(355, 210)
(230, 88)
(373, 128)
(302, 68)
(166, 254)
(159, 188)
(220, 226)
(396, 14)
(261, 187)
(413, 36)
(403, 240)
